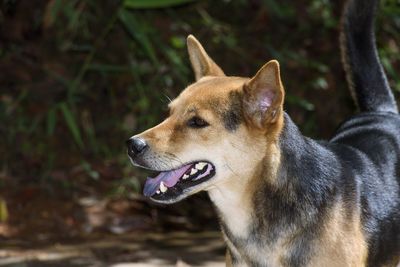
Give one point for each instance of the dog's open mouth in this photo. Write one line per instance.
(169, 185)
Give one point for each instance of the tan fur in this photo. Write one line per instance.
(172, 134)
(267, 77)
(344, 57)
(172, 137)
(233, 198)
(202, 64)
(228, 259)
(342, 242)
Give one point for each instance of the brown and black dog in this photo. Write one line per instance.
(284, 199)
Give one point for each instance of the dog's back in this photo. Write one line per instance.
(369, 148)
(371, 138)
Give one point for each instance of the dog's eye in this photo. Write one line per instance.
(197, 122)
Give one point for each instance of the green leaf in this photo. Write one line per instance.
(135, 30)
(177, 42)
(72, 124)
(51, 121)
(142, 4)
(320, 83)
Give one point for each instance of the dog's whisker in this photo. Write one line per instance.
(230, 168)
(168, 98)
(237, 147)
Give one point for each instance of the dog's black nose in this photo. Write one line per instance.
(136, 146)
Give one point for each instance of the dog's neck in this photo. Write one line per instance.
(258, 204)
(233, 204)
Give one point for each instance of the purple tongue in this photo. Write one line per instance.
(169, 178)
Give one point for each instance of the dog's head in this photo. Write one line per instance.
(220, 129)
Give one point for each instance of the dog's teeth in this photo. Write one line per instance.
(158, 191)
(193, 171)
(200, 165)
(185, 176)
(163, 188)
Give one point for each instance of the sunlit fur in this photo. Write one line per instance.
(172, 143)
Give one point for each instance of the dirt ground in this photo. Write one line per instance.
(44, 229)
(127, 250)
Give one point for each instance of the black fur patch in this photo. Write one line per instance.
(232, 117)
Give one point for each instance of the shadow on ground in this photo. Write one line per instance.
(133, 249)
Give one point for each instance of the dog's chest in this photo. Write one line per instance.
(248, 246)
(250, 252)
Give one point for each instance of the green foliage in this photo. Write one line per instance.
(138, 31)
(104, 71)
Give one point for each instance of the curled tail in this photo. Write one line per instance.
(365, 75)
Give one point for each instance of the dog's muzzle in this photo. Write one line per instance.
(136, 146)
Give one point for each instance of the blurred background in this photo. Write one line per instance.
(77, 78)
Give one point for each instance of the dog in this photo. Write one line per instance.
(284, 199)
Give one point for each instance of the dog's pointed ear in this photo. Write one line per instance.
(264, 95)
(202, 64)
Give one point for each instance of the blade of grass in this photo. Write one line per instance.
(51, 121)
(72, 124)
(89, 130)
